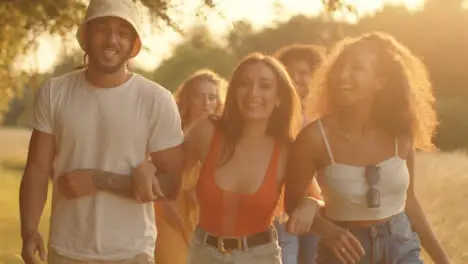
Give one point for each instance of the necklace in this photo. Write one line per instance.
(349, 138)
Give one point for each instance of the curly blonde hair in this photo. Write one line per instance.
(185, 92)
(404, 107)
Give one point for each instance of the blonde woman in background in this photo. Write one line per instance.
(200, 95)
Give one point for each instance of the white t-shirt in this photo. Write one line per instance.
(106, 129)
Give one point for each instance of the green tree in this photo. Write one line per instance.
(199, 50)
(436, 34)
(299, 29)
(23, 21)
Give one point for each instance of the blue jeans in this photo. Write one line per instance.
(392, 242)
(288, 243)
(307, 249)
(202, 253)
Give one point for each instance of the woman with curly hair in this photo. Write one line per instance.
(201, 95)
(374, 108)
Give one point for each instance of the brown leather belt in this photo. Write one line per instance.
(229, 244)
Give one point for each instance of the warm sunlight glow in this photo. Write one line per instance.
(261, 13)
(364, 6)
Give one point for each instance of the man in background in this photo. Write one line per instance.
(300, 61)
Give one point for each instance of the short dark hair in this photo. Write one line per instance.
(312, 54)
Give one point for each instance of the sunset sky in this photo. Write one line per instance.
(158, 42)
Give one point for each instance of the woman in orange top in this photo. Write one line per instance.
(200, 95)
(243, 155)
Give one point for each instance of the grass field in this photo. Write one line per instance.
(441, 182)
(13, 151)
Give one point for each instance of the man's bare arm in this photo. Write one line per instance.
(81, 182)
(34, 183)
(170, 164)
(117, 184)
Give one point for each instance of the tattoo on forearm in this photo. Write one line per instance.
(114, 183)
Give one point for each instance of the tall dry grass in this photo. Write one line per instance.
(442, 188)
(13, 147)
(441, 185)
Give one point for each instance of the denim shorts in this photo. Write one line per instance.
(288, 243)
(307, 248)
(392, 242)
(202, 253)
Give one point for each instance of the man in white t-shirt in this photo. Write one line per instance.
(101, 118)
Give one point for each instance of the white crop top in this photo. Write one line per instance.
(344, 188)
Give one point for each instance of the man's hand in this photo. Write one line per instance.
(145, 184)
(77, 183)
(32, 244)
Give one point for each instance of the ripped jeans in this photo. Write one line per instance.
(392, 242)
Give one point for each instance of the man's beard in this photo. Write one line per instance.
(107, 69)
(97, 65)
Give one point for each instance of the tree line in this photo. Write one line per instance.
(437, 34)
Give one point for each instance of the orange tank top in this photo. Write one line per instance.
(224, 213)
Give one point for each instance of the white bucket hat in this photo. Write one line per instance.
(124, 9)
